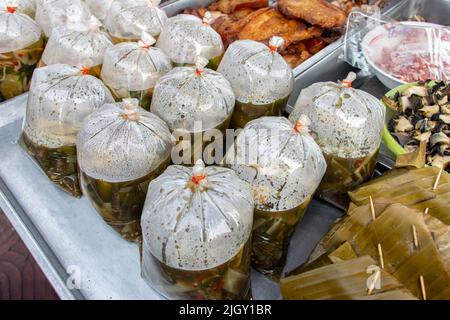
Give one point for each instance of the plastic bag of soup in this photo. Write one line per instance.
(261, 79)
(200, 247)
(186, 37)
(121, 148)
(78, 42)
(27, 7)
(347, 124)
(60, 98)
(99, 8)
(128, 19)
(131, 69)
(21, 46)
(284, 167)
(53, 13)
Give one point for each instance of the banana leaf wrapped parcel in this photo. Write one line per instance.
(131, 69)
(27, 7)
(78, 43)
(60, 98)
(196, 229)
(284, 166)
(347, 124)
(126, 20)
(21, 46)
(186, 37)
(121, 148)
(261, 79)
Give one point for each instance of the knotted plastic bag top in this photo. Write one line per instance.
(17, 30)
(186, 37)
(346, 122)
(77, 42)
(122, 142)
(134, 66)
(127, 19)
(60, 98)
(257, 73)
(187, 95)
(53, 13)
(280, 160)
(27, 7)
(99, 8)
(196, 218)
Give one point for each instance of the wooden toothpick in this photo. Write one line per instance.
(372, 208)
(436, 183)
(426, 210)
(416, 240)
(380, 253)
(422, 288)
(374, 281)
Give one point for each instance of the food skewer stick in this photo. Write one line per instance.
(372, 208)
(416, 241)
(426, 210)
(422, 287)
(380, 253)
(437, 179)
(374, 281)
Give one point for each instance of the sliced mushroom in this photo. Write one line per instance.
(417, 90)
(425, 125)
(405, 103)
(403, 125)
(439, 138)
(428, 111)
(439, 161)
(445, 118)
(443, 100)
(422, 136)
(390, 103)
(445, 108)
(402, 137)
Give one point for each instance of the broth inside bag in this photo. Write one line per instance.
(195, 102)
(200, 247)
(261, 79)
(21, 46)
(121, 148)
(347, 124)
(126, 20)
(186, 37)
(131, 69)
(99, 8)
(27, 7)
(78, 42)
(60, 98)
(284, 166)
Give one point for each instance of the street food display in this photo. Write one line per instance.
(131, 69)
(21, 46)
(121, 148)
(77, 43)
(347, 124)
(200, 247)
(262, 81)
(126, 20)
(27, 7)
(185, 38)
(284, 166)
(60, 98)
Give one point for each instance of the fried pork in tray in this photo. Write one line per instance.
(307, 26)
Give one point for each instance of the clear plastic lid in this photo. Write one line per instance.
(188, 95)
(257, 73)
(196, 218)
(122, 142)
(134, 66)
(77, 42)
(186, 37)
(60, 98)
(346, 122)
(17, 30)
(99, 8)
(127, 19)
(280, 160)
(53, 13)
(27, 7)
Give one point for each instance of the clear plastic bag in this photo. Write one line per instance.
(261, 79)
(53, 13)
(347, 124)
(397, 52)
(186, 37)
(78, 43)
(200, 247)
(121, 148)
(60, 98)
(131, 69)
(27, 7)
(128, 19)
(21, 46)
(284, 166)
(99, 8)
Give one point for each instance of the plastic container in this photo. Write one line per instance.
(284, 166)
(131, 69)
(196, 229)
(121, 148)
(60, 98)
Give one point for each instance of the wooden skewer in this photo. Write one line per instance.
(426, 210)
(436, 183)
(422, 287)
(416, 240)
(380, 253)
(374, 281)
(372, 208)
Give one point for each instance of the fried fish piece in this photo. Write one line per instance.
(270, 22)
(230, 6)
(295, 59)
(317, 12)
